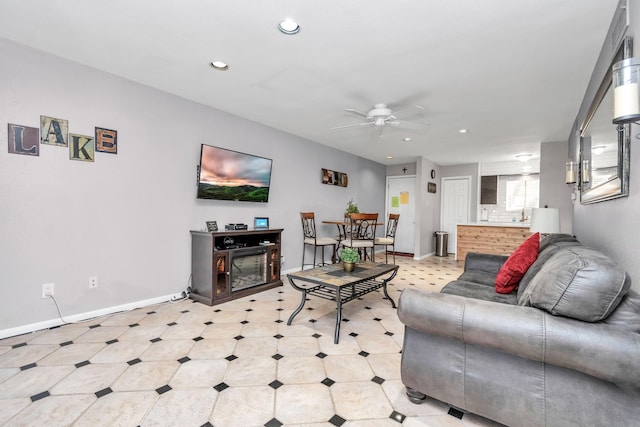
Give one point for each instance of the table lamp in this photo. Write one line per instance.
(545, 221)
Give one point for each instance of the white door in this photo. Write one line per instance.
(401, 200)
(455, 207)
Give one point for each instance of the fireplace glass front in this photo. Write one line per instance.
(248, 268)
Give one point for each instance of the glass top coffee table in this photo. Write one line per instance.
(333, 283)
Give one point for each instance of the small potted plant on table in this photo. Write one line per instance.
(351, 208)
(349, 257)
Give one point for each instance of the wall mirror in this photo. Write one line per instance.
(604, 147)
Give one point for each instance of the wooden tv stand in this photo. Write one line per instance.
(226, 265)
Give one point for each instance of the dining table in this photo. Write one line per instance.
(343, 230)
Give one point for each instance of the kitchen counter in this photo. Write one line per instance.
(500, 238)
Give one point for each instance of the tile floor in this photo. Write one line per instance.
(234, 364)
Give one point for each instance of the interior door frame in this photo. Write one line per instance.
(469, 180)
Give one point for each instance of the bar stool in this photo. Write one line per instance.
(390, 237)
(311, 239)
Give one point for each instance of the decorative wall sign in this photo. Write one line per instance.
(106, 140)
(82, 147)
(53, 131)
(334, 178)
(23, 140)
(431, 187)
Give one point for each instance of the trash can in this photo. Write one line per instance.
(442, 241)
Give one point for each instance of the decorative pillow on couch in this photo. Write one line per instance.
(517, 264)
(578, 282)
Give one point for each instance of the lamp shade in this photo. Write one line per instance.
(545, 220)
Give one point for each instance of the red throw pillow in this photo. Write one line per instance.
(517, 264)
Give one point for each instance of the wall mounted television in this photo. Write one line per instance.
(230, 175)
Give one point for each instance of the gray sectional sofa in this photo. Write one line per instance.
(563, 350)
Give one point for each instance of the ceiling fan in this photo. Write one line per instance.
(381, 116)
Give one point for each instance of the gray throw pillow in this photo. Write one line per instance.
(578, 282)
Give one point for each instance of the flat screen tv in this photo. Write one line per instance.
(230, 175)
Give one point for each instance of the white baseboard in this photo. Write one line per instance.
(46, 324)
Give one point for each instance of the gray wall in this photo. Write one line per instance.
(126, 218)
(612, 226)
(427, 207)
(553, 189)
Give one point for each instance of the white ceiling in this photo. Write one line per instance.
(511, 72)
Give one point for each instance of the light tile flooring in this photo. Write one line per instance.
(234, 364)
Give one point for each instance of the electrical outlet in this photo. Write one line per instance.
(47, 290)
(93, 282)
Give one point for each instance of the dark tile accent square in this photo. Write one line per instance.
(207, 424)
(29, 366)
(328, 382)
(273, 422)
(103, 392)
(184, 311)
(279, 321)
(363, 354)
(316, 335)
(83, 363)
(196, 339)
(112, 341)
(208, 323)
(277, 356)
(345, 320)
(275, 384)
(368, 308)
(184, 359)
(134, 361)
(397, 417)
(133, 325)
(279, 309)
(155, 339)
(455, 413)
(389, 333)
(40, 396)
(278, 336)
(353, 334)
(165, 388)
(94, 326)
(249, 309)
(172, 324)
(321, 355)
(312, 320)
(377, 380)
(220, 387)
(280, 300)
(217, 310)
(310, 308)
(252, 300)
(377, 319)
(66, 343)
(22, 344)
(238, 337)
(337, 420)
(151, 312)
(231, 357)
(244, 322)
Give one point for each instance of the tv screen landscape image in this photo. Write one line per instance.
(231, 175)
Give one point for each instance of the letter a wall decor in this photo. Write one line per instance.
(53, 131)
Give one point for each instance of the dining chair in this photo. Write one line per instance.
(362, 234)
(310, 238)
(390, 237)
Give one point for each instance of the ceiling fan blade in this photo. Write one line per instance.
(414, 111)
(351, 126)
(360, 113)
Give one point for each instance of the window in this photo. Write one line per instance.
(522, 192)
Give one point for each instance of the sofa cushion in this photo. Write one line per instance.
(578, 282)
(517, 265)
(482, 277)
(548, 247)
(478, 291)
(627, 315)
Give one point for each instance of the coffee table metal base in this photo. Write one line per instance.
(346, 289)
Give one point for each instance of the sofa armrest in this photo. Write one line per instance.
(596, 349)
(484, 262)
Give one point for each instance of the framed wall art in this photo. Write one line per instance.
(431, 187)
(23, 140)
(330, 177)
(54, 131)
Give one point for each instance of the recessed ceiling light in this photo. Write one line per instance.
(389, 157)
(289, 26)
(219, 65)
(524, 157)
(463, 131)
(406, 139)
(599, 149)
